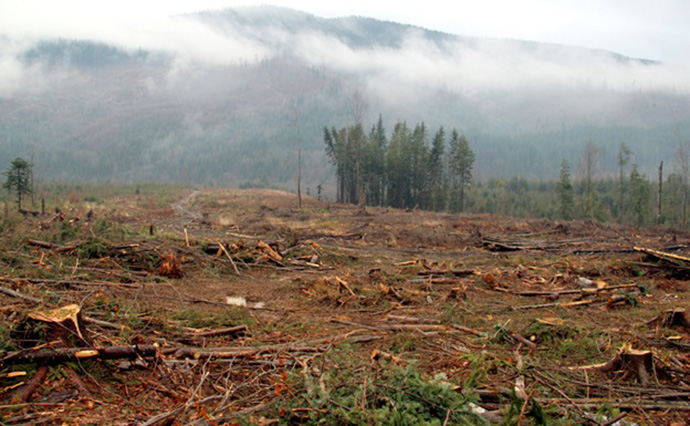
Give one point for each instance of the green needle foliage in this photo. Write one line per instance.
(18, 179)
(378, 395)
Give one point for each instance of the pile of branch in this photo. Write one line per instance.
(274, 254)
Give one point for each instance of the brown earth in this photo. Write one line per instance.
(501, 306)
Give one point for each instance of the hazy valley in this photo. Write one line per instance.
(229, 108)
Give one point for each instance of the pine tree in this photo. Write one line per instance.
(565, 192)
(397, 167)
(460, 163)
(18, 178)
(624, 154)
(437, 171)
(377, 158)
(589, 165)
(419, 171)
(335, 150)
(639, 195)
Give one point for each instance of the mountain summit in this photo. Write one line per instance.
(220, 96)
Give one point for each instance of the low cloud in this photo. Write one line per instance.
(467, 66)
(480, 65)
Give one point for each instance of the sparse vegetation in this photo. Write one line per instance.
(338, 314)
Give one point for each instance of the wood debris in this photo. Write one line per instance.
(269, 325)
(631, 362)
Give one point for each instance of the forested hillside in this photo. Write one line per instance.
(229, 115)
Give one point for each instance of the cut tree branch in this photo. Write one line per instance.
(61, 356)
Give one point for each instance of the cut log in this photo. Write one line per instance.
(61, 356)
(227, 254)
(42, 244)
(65, 317)
(378, 355)
(674, 259)
(565, 292)
(18, 295)
(200, 336)
(554, 305)
(630, 361)
(456, 272)
(24, 393)
(671, 318)
(411, 320)
(268, 251)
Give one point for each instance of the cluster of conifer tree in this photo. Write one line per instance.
(409, 169)
(406, 170)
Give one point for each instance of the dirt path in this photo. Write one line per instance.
(183, 212)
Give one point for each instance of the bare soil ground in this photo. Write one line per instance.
(233, 306)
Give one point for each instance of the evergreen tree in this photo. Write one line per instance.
(565, 192)
(589, 165)
(437, 171)
(460, 163)
(347, 148)
(639, 195)
(623, 159)
(377, 158)
(356, 145)
(419, 158)
(397, 167)
(335, 150)
(19, 178)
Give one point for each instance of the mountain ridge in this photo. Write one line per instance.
(99, 111)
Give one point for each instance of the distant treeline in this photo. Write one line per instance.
(412, 170)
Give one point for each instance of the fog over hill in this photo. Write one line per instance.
(220, 97)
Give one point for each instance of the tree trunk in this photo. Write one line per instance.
(658, 211)
(61, 356)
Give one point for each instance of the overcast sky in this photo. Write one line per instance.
(650, 29)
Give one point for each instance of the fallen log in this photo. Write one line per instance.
(554, 305)
(622, 404)
(190, 353)
(70, 282)
(456, 272)
(434, 281)
(18, 295)
(324, 235)
(678, 261)
(411, 320)
(424, 328)
(232, 262)
(602, 251)
(61, 356)
(42, 244)
(495, 244)
(106, 324)
(24, 393)
(198, 337)
(466, 330)
(269, 252)
(316, 345)
(565, 292)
